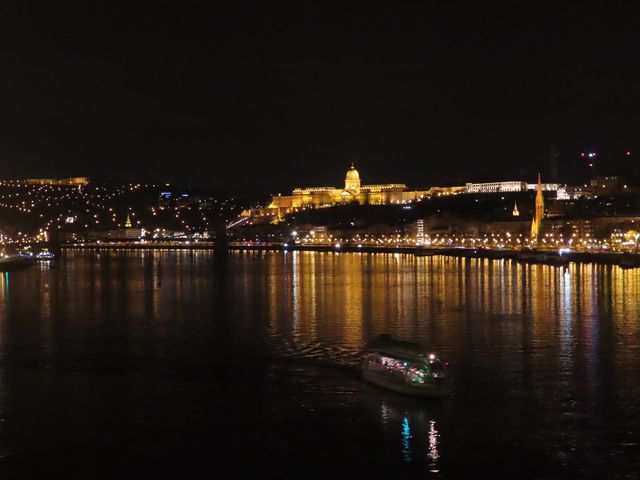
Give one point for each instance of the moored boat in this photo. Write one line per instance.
(15, 262)
(629, 261)
(546, 258)
(424, 252)
(405, 367)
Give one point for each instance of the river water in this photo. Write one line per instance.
(158, 364)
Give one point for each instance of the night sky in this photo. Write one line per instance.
(270, 97)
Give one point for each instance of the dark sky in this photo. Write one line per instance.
(270, 97)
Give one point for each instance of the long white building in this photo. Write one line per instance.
(495, 187)
(509, 186)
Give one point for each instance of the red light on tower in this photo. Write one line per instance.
(628, 153)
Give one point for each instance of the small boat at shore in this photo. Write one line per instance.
(424, 252)
(15, 262)
(405, 367)
(543, 258)
(629, 261)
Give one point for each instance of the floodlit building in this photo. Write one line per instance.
(353, 192)
(496, 187)
(574, 193)
(70, 182)
(545, 187)
(510, 186)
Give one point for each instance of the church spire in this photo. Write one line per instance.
(536, 222)
(515, 212)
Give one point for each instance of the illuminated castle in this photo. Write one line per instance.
(353, 192)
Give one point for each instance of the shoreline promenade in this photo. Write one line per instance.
(550, 257)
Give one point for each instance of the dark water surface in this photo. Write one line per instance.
(147, 364)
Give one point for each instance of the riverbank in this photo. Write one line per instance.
(548, 257)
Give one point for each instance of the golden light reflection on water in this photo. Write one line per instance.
(343, 300)
(4, 288)
(554, 336)
(350, 297)
(538, 328)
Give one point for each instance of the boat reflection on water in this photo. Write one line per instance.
(411, 427)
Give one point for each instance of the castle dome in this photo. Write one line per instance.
(352, 174)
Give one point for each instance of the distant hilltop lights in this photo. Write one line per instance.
(79, 211)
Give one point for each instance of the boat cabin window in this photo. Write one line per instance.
(388, 364)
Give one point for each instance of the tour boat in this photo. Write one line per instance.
(405, 367)
(45, 255)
